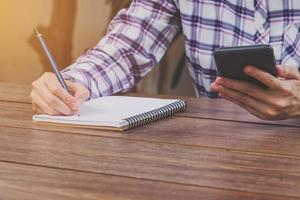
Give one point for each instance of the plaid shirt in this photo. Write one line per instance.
(139, 36)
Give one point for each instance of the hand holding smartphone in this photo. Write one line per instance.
(232, 61)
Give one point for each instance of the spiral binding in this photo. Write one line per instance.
(154, 115)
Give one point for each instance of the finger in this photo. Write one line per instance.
(244, 87)
(59, 92)
(267, 111)
(38, 101)
(288, 72)
(80, 92)
(82, 97)
(37, 110)
(53, 101)
(264, 77)
(249, 109)
(269, 97)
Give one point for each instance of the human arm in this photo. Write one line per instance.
(280, 100)
(135, 43)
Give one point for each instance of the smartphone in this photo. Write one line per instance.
(232, 61)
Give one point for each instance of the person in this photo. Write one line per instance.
(138, 37)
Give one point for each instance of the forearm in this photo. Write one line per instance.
(100, 78)
(136, 42)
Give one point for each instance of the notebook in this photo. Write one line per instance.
(118, 112)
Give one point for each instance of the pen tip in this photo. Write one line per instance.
(36, 30)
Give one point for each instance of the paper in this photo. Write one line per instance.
(108, 111)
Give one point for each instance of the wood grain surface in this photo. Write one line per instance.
(206, 152)
(14, 92)
(26, 182)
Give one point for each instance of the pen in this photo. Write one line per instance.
(51, 60)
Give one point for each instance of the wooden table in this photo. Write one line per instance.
(214, 150)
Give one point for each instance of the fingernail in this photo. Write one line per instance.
(216, 88)
(212, 86)
(219, 80)
(248, 69)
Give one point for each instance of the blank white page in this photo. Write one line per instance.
(108, 111)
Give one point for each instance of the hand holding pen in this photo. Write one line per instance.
(52, 95)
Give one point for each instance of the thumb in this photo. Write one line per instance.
(79, 91)
(288, 72)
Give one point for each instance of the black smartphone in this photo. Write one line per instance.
(231, 61)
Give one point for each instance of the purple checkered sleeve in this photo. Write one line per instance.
(136, 41)
(138, 38)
